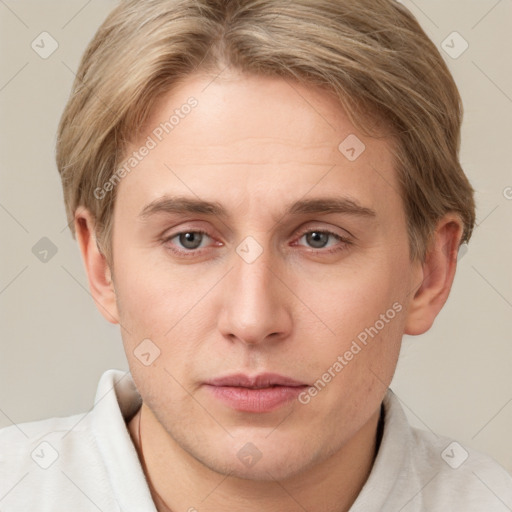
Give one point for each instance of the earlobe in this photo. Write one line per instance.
(438, 272)
(96, 266)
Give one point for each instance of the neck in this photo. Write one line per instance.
(180, 482)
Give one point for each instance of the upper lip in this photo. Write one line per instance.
(263, 380)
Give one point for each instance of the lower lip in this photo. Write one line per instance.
(256, 400)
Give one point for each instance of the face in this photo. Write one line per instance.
(246, 242)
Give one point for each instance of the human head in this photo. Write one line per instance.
(253, 141)
(372, 55)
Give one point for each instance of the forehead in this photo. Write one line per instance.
(237, 134)
(234, 107)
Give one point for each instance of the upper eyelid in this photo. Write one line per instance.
(345, 237)
(322, 230)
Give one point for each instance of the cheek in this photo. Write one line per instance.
(350, 299)
(353, 372)
(166, 305)
(154, 295)
(365, 311)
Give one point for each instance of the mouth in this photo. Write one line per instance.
(257, 394)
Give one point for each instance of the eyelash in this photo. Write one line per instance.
(194, 252)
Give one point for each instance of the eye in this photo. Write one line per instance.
(324, 241)
(189, 241)
(317, 239)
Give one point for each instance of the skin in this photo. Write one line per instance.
(256, 145)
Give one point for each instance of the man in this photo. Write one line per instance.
(267, 195)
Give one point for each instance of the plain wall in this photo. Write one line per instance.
(455, 380)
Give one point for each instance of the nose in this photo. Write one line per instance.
(255, 302)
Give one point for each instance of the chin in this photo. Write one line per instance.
(257, 460)
(273, 468)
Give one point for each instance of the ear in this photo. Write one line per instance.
(437, 274)
(96, 266)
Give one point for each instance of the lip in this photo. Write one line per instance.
(263, 380)
(257, 394)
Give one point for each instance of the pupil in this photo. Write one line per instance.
(317, 240)
(191, 240)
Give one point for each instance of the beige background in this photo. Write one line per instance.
(455, 380)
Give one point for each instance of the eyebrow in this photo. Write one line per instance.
(181, 205)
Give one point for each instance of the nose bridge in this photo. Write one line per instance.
(254, 306)
(254, 278)
(254, 285)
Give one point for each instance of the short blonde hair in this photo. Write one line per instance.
(371, 54)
